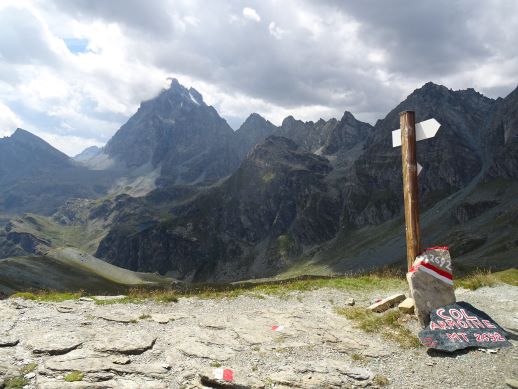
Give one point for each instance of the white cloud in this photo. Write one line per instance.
(276, 31)
(251, 14)
(9, 121)
(327, 57)
(69, 144)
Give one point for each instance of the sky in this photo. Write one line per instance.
(73, 72)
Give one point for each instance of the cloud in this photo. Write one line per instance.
(251, 14)
(81, 68)
(276, 31)
(9, 121)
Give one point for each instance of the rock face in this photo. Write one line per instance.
(277, 200)
(254, 130)
(34, 176)
(178, 133)
(431, 284)
(318, 191)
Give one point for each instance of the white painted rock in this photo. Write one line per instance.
(431, 282)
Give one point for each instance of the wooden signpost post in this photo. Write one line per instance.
(406, 137)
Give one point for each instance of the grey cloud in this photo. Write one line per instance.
(424, 40)
(150, 18)
(432, 38)
(22, 39)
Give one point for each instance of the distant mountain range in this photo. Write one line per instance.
(177, 191)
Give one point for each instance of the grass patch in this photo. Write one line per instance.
(387, 324)
(139, 295)
(48, 296)
(28, 368)
(380, 380)
(358, 357)
(382, 280)
(16, 382)
(279, 288)
(74, 376)
(480, 278)
(215, 364)
(282, 288)
(144, 316)
(268, 177)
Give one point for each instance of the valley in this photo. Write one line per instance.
(177, 192)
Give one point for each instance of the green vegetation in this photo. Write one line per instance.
(60, 236)
(215, 364)
(481, 278)
(384, 280)
(388, 324)
(138, 295)
(48, 296)
(358, 357)
(28, 368)
(74, 376)
(380, 380)
(268, 177)
(16, 382)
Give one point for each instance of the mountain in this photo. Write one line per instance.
(88, 153)
(255, 129)
(321, 197)
(67, 269)
(179, 136)
(253, 224)
(34, 176)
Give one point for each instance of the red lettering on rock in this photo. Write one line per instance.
(488, 324)
(440, 312)
(455, 314)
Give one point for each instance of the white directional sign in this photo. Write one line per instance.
(423, 130)
(419, 168)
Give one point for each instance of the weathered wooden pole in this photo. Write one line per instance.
(410, 190)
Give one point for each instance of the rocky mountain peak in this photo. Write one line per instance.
(348, 117)
(178, 133)
(253, 131)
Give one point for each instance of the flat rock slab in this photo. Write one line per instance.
(54, 343)
(387, 303)
(98, 363)
(8, 341)
(164, 318)
(122, 342)
(65, 309)
(108, 298)
(118, 316)
(118, 383)
(328, 374)
(194, 348)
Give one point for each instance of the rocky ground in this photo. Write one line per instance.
(183, 344)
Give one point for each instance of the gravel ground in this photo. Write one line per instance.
(180, 345)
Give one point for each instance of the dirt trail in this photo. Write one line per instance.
(294, 341)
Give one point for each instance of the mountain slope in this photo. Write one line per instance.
(69, 269)
(34, 176)
(331, 204)
(180, 135)
(256, 222)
